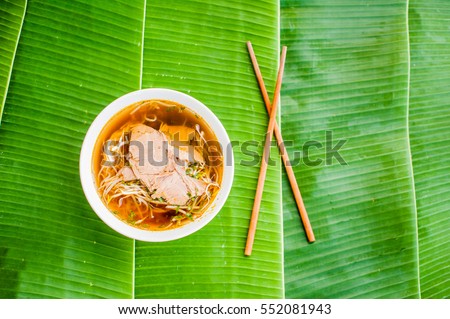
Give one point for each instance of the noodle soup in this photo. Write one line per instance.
(157, 165)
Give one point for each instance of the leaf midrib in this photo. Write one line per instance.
(408, 141)
(133, 263)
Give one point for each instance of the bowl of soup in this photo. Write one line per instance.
(156, 165)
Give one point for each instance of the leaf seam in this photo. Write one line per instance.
(12, 62)
(142, 44)
(283, 284)
(133, 285)
(409, 145)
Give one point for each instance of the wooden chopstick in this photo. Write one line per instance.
(265, 158)
(284, 155)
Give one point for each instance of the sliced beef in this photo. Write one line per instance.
(162, 168)
(126, 174)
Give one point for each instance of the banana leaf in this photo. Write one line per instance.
(359, 74)
(204, 55)
(347, 82)
(429, 121)
(364, 112)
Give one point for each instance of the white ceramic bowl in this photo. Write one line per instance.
(88, 181)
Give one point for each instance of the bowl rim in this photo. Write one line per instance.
(88, 180)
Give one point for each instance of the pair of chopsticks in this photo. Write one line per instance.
(271, 128)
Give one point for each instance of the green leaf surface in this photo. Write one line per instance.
(347, 75)
(11, 18)
(430, 136)
(369, 78)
